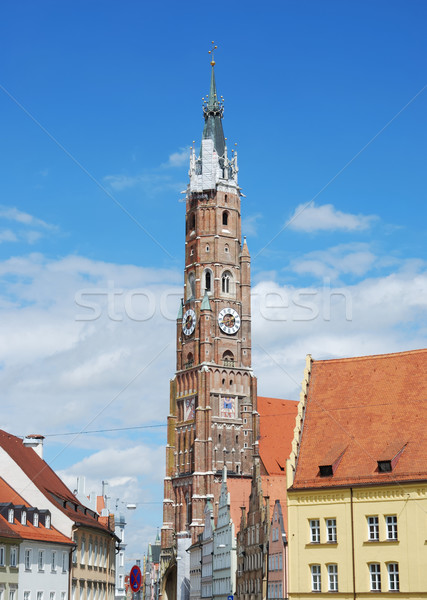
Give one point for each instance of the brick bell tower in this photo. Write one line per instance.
(213, 420)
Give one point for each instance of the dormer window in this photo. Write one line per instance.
(331, 461)
(24, 517)
(47, 522)
(325, 470)
(11, 515)
(384, 466)
(36, 519)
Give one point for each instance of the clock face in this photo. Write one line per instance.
(229, 320)
(189, 321)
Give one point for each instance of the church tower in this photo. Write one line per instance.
(213, 419)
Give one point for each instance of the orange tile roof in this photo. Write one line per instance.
(277, 424)
(28, 531)
(47, 480)
(365, 409)
(100, 504)
(239, 489)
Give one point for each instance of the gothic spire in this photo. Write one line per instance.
(213, 110)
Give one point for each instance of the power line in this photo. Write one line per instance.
(105, 430)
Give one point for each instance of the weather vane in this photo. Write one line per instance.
(212, 52)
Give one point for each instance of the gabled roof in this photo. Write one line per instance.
(277, 424)
(366, 409)
(28, 531)
(48, 482)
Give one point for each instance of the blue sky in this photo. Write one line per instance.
(99, 104)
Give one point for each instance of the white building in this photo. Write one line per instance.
(224, 547)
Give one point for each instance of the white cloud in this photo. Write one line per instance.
(13, 214)
(8, 236)
(310, 218)
(345, 259)
(155, 179)
(178, 159)
(250, 224)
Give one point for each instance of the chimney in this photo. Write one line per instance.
(34, 441)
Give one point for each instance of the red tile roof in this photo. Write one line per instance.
(28, 531)
(47, 481)
(366, 409)
(277, 424)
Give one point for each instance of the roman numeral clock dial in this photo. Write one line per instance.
(189, 321)
(229, 320)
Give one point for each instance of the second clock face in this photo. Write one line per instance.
(189, 321)
(229, 320)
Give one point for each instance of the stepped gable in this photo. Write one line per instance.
(48, 482)
(364, 421)
(27, 531)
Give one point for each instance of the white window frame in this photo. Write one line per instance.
(375, 577)
(391, 527)
(314, 531)
(36, 519)
(13, 556)
(393, 576)
(316, 578)
(373, 528)
(53, 562)
(331, 530)
(65, 562)
(10, 515)
(24, 517)
(27, 559)
(40, 560)
(2, 556)
(47, 522)
(333, 578)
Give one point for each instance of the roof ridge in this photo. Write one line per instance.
(370, 356)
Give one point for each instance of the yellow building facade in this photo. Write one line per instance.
(357, 480)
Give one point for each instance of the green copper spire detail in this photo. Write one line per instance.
(213, 111)
(206, 305)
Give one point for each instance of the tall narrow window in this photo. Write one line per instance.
(2, 555)
(393, 577)
(36, 519)
(24, 517)
(53, 560)
(331, 529)
(316, 583)
(375, 573)
(226, 282)
(333, 578)
(191, 286)
(27, 559)
(314, 531)
(225, 218)
(373, 528)
(391, 523)
(41, 560)
(13, 556)
(208, 281)
(11, 515)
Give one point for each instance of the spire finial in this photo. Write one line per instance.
(212, 52)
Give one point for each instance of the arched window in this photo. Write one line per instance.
(226, 248)
(225, 218)
(208, 280)
(226, 282)
(191, 286)
(228, 358)
(207, 247)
